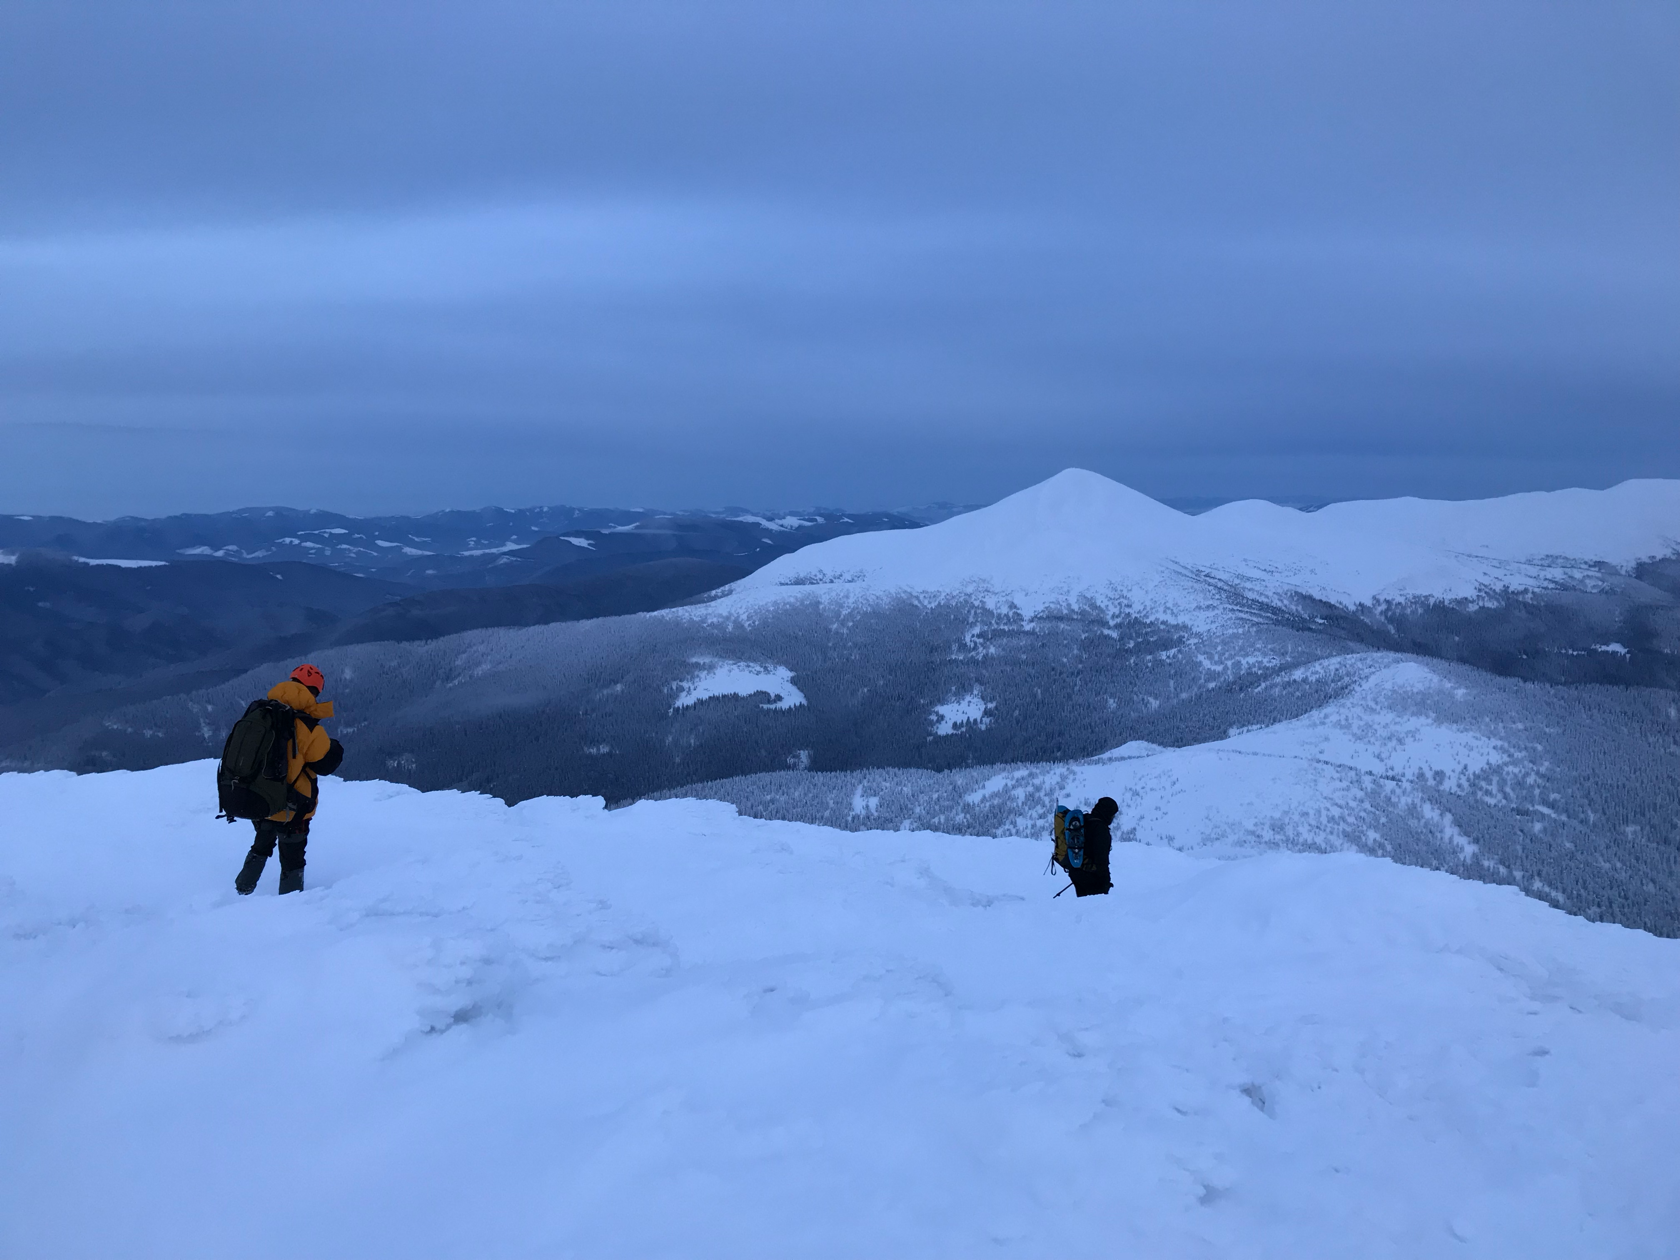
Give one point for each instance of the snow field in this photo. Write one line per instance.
(669, 1031)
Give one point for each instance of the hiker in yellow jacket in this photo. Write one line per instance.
(313, 754)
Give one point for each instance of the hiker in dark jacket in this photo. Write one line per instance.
(312, 755)
(1092, 878)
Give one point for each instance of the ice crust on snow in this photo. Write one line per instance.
(1080, 533)
(483, 1032)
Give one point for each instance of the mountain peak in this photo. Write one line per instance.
(1088, 496)
(1079, 534)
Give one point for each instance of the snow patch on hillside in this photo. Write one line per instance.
(483, 1032)
(964, 713)
(781, 523)
(740, 678)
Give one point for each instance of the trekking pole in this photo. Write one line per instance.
(1069, 885)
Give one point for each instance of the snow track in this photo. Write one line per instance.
(667, 1031)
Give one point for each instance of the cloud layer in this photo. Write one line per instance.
(422, 256)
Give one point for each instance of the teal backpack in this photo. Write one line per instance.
(1069, 829)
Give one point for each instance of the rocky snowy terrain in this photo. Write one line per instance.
(665, 1030)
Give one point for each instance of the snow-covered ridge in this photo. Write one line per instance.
(1080, 533)
(558, 1030)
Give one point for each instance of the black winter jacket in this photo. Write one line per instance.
(1092, 877)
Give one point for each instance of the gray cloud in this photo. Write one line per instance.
(865, 254)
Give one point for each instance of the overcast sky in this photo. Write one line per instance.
(411, 256)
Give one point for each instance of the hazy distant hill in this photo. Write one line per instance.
(67, 623)
(491, 546)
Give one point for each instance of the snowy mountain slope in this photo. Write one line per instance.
(1309, 784)
(517, 713)
(663, 1030)
(1428, 764)
(1080, 535)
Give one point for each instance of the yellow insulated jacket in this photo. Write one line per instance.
(311, 744)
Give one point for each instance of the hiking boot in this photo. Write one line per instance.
(291, 881)
(245, 883)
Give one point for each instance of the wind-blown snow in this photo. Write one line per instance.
(1082, 534)
(664, 1030)
(740, 678)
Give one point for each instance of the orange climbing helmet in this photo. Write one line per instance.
(310, 677)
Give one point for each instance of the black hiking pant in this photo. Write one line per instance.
(270, 833)
(1090, 881)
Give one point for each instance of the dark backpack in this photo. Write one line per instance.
(1069, 829)
(251, 782)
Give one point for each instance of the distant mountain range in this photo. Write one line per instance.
(491, 546)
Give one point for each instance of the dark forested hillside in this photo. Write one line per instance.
(66, 623)
(594, 707)
(564, 596)
(99, 615)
